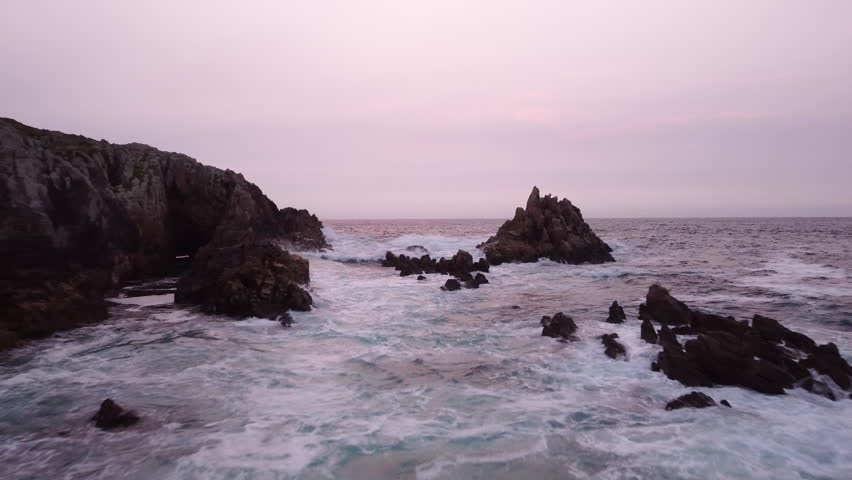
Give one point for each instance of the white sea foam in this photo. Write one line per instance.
(389, 377)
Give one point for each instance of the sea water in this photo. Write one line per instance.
(390, 377)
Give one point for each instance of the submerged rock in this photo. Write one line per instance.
(616, 314)
(480, 279)
(110, 415)
(613, 349)
(691, 400)
(421, 277)
(559, 326)
(451, 285)
(548, 227)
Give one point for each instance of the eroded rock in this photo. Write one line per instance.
(559, 326)
(691, 400)
(111, 415)
(550, 228)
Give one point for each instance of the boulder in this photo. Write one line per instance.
(257, 280)
(691, 400)
(451, 285)
(110, 415)
(612, 348)
(548, 227)
(661, 307)
(616, 314)
(480, 279)
(647, 331)
(559, 326)
(421, 277)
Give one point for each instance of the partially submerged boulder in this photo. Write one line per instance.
(648, 332)
(559, 326)
(691, 400)
(612, 348)
(111, 415)
(550, 228)
(451, 285)
(616, 314)
(257, 280)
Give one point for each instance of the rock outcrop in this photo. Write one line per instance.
(559, 326)
(616, 314)
(550, 228)
(764, 356)
(79, 216)
(111, 415)
(612, 347)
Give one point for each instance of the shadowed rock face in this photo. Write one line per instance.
(78, 216)
(548, 227)
(764, 356)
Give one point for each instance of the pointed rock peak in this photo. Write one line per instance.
(534, 198)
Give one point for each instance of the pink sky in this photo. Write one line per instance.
(397, 109)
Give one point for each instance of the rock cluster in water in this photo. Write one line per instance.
(763, 356)
(550, 228)
(79, 216)
(559, 326)
(461, 266)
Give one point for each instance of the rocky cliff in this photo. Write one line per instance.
(78, 216)
(550, 228)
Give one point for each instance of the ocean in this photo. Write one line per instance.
(390, 377)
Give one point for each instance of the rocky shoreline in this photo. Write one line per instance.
(78, 217)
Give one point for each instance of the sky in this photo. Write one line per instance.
(455, 109)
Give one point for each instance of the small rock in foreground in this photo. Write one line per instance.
(111, 415)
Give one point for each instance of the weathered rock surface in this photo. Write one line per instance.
(648, 332)
(691, 400)
(764, 356)
(257, 280)
(559, 326)
(110, 415)
(79, 216)
(461, 266)
(616, 314)
(612, 347)
(451, 285)
(548, 227)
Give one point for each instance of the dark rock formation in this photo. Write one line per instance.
(548, 227)
(616, 314)
(691, 400)
(451, 285)
(480, 279)
(647, 332)
(663, 308)
(725, 403)
(111, 415)
(257, 280)
(559, 326)
(299, 229)
(79, 216)
(460, 265)
(613, 349)
(421, 277)
(764, 356)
